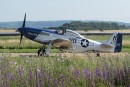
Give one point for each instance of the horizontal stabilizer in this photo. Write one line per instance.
(106, 45)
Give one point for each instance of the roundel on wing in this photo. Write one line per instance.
(84, 43)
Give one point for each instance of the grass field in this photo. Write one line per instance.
(62, 70)
(11, 43)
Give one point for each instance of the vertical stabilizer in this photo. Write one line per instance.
(116, 42)
(118, 46)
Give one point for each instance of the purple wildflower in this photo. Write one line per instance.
(55, 83)
(61, 83)
(104, 73)
(98, 72)
(123, 74)
(78, 72)
(5, 85)
(20, 72)
(87, 73)
(62, 76)
(106, 66)
(30, 75)
(10, 77)
(62, 80)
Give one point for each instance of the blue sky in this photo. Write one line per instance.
(46, 10)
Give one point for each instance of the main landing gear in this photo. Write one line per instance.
(43, 51)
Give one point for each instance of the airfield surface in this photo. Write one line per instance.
(24, 55)
(68, 54)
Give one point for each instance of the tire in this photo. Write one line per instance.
(40, 52)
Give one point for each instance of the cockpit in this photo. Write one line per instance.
(68, 32)
(61, 31)
(73, 33)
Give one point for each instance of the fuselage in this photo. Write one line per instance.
(79, 42)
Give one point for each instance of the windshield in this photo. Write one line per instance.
(73, 33)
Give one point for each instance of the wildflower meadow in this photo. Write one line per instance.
(65, 71)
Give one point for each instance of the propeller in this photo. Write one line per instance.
(24, 21)
(21, 37)
(21, 30)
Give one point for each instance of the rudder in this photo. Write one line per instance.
(118, 45)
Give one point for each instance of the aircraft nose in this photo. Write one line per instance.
(19, 30)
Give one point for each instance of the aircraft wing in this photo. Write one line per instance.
(106, 45)
(62, 42)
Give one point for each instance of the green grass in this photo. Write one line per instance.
(25, 50)
(9, 37)
(12, 43)
(62, 70)
(98, 37)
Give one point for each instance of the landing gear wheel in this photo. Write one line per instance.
(41, 52)
(98, 55)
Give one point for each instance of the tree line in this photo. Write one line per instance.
(78, 25)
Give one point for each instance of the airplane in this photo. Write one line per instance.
(69, 40)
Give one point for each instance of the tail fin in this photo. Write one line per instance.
(118, 47)
(116, 41)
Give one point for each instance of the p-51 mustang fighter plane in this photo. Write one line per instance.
(69, 40)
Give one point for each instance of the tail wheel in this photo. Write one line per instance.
(98, 54)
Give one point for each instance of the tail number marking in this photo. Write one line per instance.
(74, 40)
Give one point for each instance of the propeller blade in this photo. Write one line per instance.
(21, 37)
(24, 21)
(22, 29)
